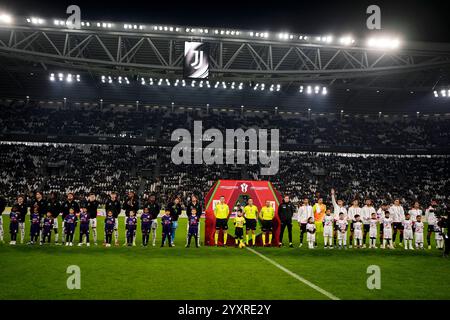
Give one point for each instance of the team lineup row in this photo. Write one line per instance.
(363, 222)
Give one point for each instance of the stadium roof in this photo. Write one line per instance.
(382, 72)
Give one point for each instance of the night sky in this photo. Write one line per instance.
(412, 20)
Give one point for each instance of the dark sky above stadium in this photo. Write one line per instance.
(419, 20)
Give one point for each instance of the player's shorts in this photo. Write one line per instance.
(222, 224)
(70, 230)
(372, 232)
(250, 224)
(335, 226)
(366, 228)
(328, 231)
(84, 229)
(387, 234)
(93, 222)
(342, 235)
(116, 225)
(303, 227)
(239, 233)
(266, 225)
(397, 226)
(352, 229)
(430, 228)
(154, 224)
(311, 237)
(358, 234)
(55, 223)
(419, 237)
(145, 227)
(408, 235)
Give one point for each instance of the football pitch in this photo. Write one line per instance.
(39, 272)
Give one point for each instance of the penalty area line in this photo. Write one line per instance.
(294, 275)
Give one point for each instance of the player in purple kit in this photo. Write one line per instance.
(166, 222)
(193, 227)
(70, 222)
(47, 227)
(84, 227)
(14, 224)
(110, 223)
(146, 222)
(130, 225)
(35, 228)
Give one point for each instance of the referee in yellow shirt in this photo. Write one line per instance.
(221, 212)
(251, 214)
(266, 215)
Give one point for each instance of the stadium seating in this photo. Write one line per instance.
(103, 169)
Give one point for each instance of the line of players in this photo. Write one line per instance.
(353, 224)
(362, 221)
(44, 219)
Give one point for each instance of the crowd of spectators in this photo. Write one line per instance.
(158, 123)
(81, 169)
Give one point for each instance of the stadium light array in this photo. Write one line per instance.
(310, 89)
(258, 34)
(325, 39)
(166, 28)
(346, 40)
(5, 18)
(383, 43)
(377, 42)
(35, 20)
(195, 83)
(104, 25)
(65, 77)
(133, 26)
(442, 93)
(227, 32)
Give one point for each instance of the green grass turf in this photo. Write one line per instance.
(34, 272)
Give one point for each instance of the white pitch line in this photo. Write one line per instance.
(294, 275)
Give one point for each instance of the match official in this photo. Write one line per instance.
(221, 212)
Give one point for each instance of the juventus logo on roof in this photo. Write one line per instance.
(196, 62)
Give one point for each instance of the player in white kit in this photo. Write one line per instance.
(339, 208)
(311, 230)
(397, 215)
(415, 211)
(366, 214)
(342, 231)
(358, 231)
(438, 236)
(380, 215)
(352, 212)
(328, 229)
(408, 232)
(418, 232)
(305, 211)
(387, 231)
(373, 230)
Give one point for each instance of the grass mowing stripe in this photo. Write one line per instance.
(294, 275)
